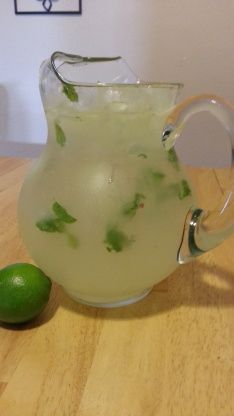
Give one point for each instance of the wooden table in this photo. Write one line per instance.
(171, 354)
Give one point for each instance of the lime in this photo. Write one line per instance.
(24, 292)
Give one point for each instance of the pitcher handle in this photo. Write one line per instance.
(204, 230)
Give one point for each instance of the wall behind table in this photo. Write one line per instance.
(166, 40)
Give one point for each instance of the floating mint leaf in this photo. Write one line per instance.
(180, 189)
(131, 208)
(174, 190)
(172, 158)
(62, 214)
(142, 155)
(156, 175)
(72, 240)
(70, 92)
(50, 225)
(116, 240)
(59, 133)
(184, 189)
(58, 224)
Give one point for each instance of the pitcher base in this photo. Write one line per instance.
(116, 304)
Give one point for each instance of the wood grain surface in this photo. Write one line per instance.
(172, 354)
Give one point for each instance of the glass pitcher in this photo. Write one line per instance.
(107, 210)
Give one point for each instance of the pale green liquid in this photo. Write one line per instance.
(106, 160)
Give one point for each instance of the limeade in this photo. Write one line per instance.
(103, 209)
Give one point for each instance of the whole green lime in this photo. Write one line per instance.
(24, 292)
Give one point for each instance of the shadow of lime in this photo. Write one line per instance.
(45, 316)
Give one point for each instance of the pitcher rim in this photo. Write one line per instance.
(138, 83)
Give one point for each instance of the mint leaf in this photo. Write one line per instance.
(131, 208)
(56, 224)
(116, 240)
(50, 225)
(142, 155)
(59, 133)
(62, 214)
(72, 240)
(156, 175)
(180, 189)
(172, 158)
(70, 92)
(184, 189)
